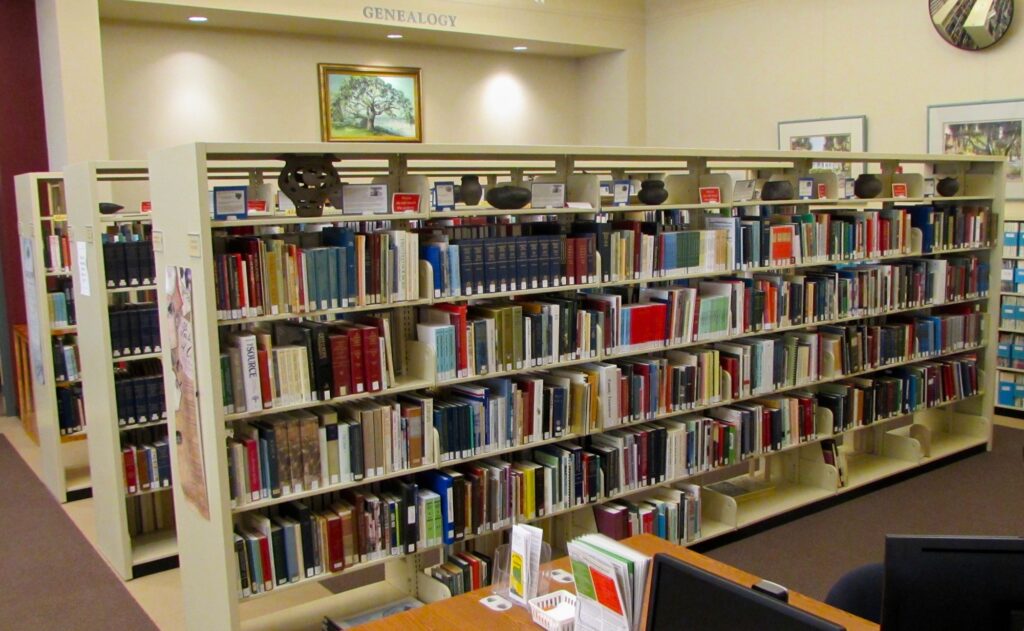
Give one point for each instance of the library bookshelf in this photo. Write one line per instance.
(47, 268)
(116, 300)
(186, 237)
(1011, 323)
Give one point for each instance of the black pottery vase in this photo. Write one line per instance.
(947, 186)
(470, 190)
(109, 208)
(867, 186)
(508, 197)
(306, 180)
(775, 190)
(652, 192)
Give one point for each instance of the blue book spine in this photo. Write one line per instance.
(432, 254)
(454, 274)
(291, 559)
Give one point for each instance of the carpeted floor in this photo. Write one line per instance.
(51, 577)
(980, 495)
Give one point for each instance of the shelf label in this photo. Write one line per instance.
(405, 203)
(710, 195)
(364, 199)
(82, 255)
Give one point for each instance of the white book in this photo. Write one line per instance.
(246, 343)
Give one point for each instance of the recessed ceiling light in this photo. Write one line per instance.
(198, 18)
(395, 36)
(520, 48)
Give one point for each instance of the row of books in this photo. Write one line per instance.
(1013, 239)
(128, 260)
(149, 513)
(327, 445)
(61, 306)
(66, 366)
(329, 532)
(1011, 389)
(1010, 350)
(951, 227)
(297, 272)
(147, 465)
(325, 534)
(672, 513)
(70, 409)
(1011, 313)
(287, 363)
(134, 329)
(139, 397)
(861, 401)
(463, 572)
(473, 260)
(57, 250)
(1012, 276)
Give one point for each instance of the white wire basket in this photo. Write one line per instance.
(555, 611)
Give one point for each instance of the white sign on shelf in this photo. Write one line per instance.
(364, 199)
(82, 256)
(547, 195)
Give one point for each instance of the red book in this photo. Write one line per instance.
(582, 269)
(648, 522)
(268, 582)
(243, 283)
(131, 478)
(356, 372)
(252, 449)
(474, 567)
(648, 323)
(371, 357)
(340, 360)
(612, 520)
(570, 261)
(265, 389)
(335, 543)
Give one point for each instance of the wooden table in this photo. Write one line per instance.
(465, 612)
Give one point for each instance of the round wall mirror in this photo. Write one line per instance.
(971, 24)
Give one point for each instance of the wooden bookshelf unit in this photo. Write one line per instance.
(134, 517)
(923, 304)
(47, 268)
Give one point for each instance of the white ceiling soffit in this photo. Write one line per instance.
(173, 13)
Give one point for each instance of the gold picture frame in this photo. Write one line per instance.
(369, 104)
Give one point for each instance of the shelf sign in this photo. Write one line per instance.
(805, 188)
(405, 203)
(444, 196)
(230, 202)
(547, 195)
(405, 16)
(620, 192)
(822, 190)
(83, 268)
(146, 206)
(710, 195)
(899, 190)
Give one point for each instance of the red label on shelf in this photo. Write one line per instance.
(822, 190)
(710, 195)
(405, 203)
(256, 205)
(899, 189)
(146, 207)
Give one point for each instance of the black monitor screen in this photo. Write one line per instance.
(953, 583)
(685, 597)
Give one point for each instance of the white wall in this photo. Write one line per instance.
(170, 85)
(723, 73)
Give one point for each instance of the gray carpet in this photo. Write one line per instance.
(979, 495)
(51, 576)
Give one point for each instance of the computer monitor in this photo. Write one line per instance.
(685, 597)
(939, 582)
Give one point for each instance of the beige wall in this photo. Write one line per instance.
(723, 73)
(169, 85)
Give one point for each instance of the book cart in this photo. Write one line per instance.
(116, 298)
(47, 269)
(782, 479)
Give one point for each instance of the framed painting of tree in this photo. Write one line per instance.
(369, 104)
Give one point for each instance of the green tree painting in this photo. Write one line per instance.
(372, 106)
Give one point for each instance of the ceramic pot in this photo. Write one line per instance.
(470, 190)
(652, 192)
(867, 186)
(508, 197)
(109, 208)
(306, 180)
(947, 186)
(777, 189)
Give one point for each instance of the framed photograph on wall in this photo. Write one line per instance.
(369, 104)
(990, 128)
(842, 133)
